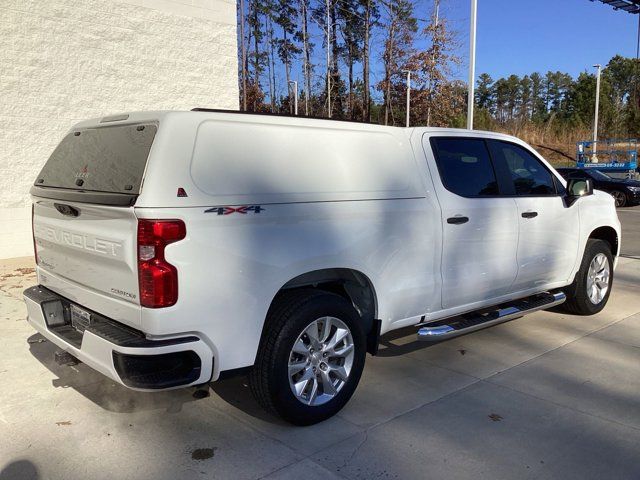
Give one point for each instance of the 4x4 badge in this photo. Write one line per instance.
(229, 210)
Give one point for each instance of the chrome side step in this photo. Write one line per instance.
(470, 322)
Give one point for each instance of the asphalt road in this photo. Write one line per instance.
(630, 219)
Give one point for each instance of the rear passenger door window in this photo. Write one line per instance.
(521, 170)
(465, 166)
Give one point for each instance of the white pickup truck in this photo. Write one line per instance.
(177, 248)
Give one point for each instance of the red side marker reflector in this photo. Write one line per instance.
(181, 192)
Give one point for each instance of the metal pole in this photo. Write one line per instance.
(408, 95)
(436, 7)
(295, 96)
(472, 63)
(595, 121)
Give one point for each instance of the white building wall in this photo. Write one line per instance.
(62, 61)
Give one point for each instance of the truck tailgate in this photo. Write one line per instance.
(88, 253)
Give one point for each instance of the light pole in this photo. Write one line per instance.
(436, 12)
(594, 157)
(408, 72)
(472, 63)
(295, 96)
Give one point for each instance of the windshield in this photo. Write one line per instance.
(598, 175)
(105, 159)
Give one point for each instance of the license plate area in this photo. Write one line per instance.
(80, 318)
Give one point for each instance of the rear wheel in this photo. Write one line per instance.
(589, 292)
(620, 198)
(311, 356)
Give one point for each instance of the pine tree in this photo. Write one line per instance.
(275, 44)
(538, 105)
(353, 28)
(524, 109)
(400, 28)
(484, 93)
(243, 54)
(286, 45)
(324, 14)
(435, 97)
(255, 95)
(271, 62)
(307, 46)
(371, 15)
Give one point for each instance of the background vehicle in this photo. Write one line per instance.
(624, 191)
(175, 248)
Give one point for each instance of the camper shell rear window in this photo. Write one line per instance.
(110, 159)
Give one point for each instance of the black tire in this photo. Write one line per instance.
(290, 314)
(578, 302)
(619, 197)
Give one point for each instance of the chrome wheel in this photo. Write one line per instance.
(598, 278)
(320, 361)
(619, 198)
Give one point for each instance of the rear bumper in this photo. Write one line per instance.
(119, 352)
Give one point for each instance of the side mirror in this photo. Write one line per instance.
(578, 187)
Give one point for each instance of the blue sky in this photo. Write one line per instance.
(513, 37)
(523, 36)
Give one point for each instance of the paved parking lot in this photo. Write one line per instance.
(630, 218)
(546, 396)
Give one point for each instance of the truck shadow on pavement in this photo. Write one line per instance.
(113, 397)
(237, 394)
(101, 390)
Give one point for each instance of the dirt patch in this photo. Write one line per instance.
(26, 270)
(13, 264)
(16, 275)
(203, 453)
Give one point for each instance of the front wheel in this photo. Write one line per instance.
(589, 292)
(620, 198)
(310, 358)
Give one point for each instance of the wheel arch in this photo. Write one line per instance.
(609, 235)
(353, 285)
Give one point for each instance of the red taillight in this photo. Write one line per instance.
(158, 279)
(33, 232)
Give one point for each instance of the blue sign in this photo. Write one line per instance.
(609, 165)
(611, 154)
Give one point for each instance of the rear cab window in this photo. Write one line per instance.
(109, 160)
(465, 166)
